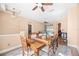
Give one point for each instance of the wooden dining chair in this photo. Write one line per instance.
(24, 43)
(53, 45)
(46, 49)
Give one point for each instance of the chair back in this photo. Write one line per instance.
(54, 43)
(23, 40)
(55, 40)
(33, 36)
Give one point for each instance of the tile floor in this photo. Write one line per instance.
(62, 50)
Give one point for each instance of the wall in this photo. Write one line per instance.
(78, 26)
(63, 22)
(73, 28)
(11, 26)
(36, 26)
(8, 24)
(8, 42)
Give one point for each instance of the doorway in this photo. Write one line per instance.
(59, 29)
(29, 29)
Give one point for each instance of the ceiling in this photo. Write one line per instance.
(52, 13)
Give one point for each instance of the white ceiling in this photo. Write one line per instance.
(52, 13)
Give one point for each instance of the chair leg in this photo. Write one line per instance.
(23, 53)
(51, 52)
(36, 52)
(53, 49)
(48, 51)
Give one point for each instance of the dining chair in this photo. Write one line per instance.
(53, 45)
(25, 44)
(46, 49)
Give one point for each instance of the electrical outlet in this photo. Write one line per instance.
(8, 44)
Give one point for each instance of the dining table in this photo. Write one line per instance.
(36, 46)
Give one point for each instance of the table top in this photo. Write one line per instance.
(35, 44)
(45, 41)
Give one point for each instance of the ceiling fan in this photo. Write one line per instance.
(41, 6)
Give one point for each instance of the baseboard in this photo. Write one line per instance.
(74, 46)
(9, 49)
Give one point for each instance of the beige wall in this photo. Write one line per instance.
(78, 25)
(36, 26)
(10, 26)
(73, 26)
(9, 41)
(63, 22)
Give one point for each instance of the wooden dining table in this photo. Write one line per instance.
(36, 45)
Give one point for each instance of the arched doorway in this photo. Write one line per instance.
(59, 29)
(29, 29)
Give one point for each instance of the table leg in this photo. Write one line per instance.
(37, 52)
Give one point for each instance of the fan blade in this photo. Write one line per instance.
(47, 3)
(42, 9)
(34, 7)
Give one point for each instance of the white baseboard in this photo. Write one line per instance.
(9, 49)
(74, 46)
